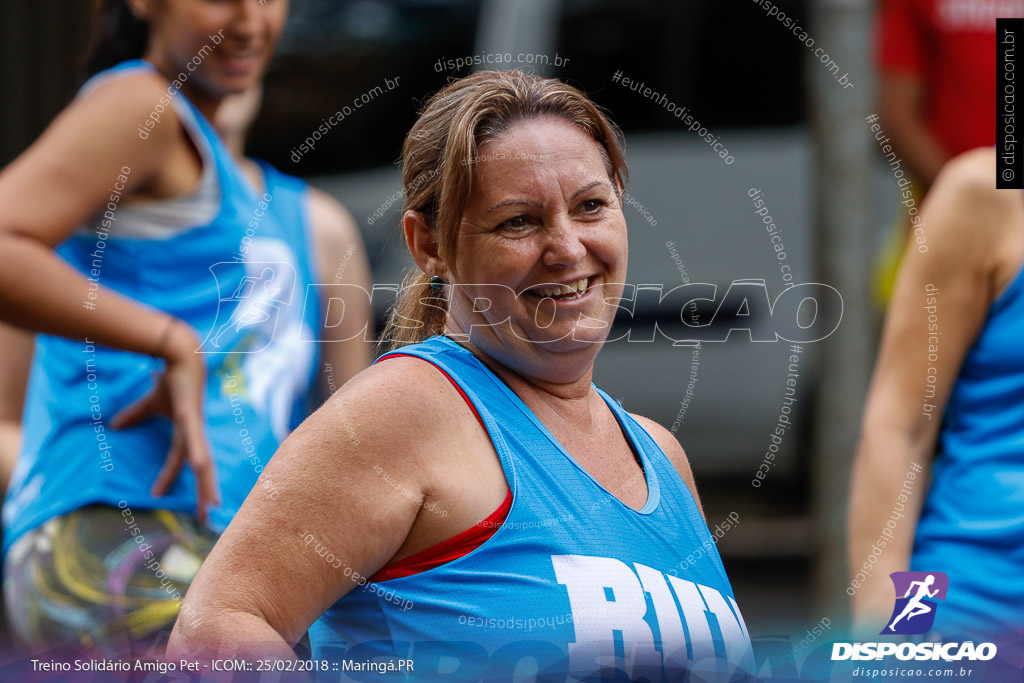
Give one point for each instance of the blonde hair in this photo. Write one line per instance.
(437, 169)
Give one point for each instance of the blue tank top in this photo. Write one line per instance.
(574, 581)
(972, 522)
(240, 282)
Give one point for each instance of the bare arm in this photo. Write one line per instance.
(341, 259)
(968, 225)
(902, 105)
(15, 360)
(58, 183)
(264, 584)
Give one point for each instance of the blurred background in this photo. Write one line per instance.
(792, 130)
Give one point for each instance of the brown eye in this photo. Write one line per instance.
(516, 223)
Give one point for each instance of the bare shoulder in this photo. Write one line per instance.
(968, 184)
(337, 241)
(973, 228)
(133, 88)
(975, 166)
(672, 448)
(401, 403)
(103, 131)
(127, 103)
(666, 439)
(332, 224)
(96, 141)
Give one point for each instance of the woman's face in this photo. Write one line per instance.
(221, 46)
(543, 240)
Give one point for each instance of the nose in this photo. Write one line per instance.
(245, 22)
(564, 246)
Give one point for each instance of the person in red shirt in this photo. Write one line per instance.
(937, 82)
(937, 63)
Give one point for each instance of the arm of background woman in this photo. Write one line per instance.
(966, 224)
(52, 188)
(15, 361)
(350, 479)
(56, 185)
(341, 259)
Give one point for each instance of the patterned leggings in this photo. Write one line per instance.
(104, 581)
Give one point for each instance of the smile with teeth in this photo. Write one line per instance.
(572, 290)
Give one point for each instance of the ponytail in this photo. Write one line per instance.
(418, 313)
(117, 35)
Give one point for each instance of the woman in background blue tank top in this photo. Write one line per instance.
(947, 400)
(599, 562)
(191, 256)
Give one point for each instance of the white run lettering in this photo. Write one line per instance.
(608, 606)
(695, 615)
(673, 639)
(588, 581)
(730, 623)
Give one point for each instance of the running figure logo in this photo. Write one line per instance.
(914, 613)
(252, 305)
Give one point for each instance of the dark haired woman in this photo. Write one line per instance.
(133, 238)
(437, 515)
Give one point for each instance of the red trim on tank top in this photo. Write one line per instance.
(456, 546)
(455, 384)
(446, 551)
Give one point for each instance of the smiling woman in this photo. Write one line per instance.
(557, 501)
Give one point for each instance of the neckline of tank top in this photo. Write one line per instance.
(622, 427)
(650, 480)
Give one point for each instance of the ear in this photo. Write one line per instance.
(422, 244)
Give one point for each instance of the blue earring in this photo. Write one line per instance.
(436, 282)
